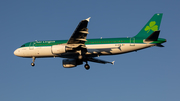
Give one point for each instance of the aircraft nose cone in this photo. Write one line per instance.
(16, 52)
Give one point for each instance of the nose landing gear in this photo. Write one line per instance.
(33, 59)
(32, 64)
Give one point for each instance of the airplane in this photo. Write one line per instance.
(78, 49)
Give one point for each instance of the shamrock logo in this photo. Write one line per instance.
(152, 26)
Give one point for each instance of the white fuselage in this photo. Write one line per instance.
(99, 49)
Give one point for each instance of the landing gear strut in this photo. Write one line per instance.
(87, 66)
(33, 59)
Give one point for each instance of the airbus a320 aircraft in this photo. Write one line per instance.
(78, 49)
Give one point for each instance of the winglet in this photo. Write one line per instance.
(112, 62)
(88, 19)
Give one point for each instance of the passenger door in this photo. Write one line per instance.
(31, 45)
(132, 41)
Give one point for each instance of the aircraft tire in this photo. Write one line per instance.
(32, 64)
(87, 66)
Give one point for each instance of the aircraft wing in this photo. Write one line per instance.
(99, 61)
(80, 33)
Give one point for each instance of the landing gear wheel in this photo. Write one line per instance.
(87, 66)
(33, 60)
(32, 64)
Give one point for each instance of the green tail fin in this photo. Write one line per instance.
(152, 25)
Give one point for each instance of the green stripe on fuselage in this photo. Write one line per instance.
(92, 42)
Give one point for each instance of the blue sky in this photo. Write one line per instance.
(147, 75)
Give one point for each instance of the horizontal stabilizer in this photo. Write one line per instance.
(153, 37)
(159, 45)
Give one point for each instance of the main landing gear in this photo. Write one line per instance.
(86, 66)
(33, 59)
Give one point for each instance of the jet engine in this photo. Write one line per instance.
(58, 49)
(69, 63)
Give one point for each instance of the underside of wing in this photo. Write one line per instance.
(80, 33)
(99, 61)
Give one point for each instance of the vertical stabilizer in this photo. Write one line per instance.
(152, 25)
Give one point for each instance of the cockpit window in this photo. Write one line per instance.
(23, 46)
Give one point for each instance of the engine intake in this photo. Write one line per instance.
(69, 63)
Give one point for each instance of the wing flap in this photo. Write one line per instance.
(81, 39)
(84, 32)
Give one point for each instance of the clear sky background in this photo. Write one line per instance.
(151, 74)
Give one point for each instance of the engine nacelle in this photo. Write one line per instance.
(58, 49)
(69, 63)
